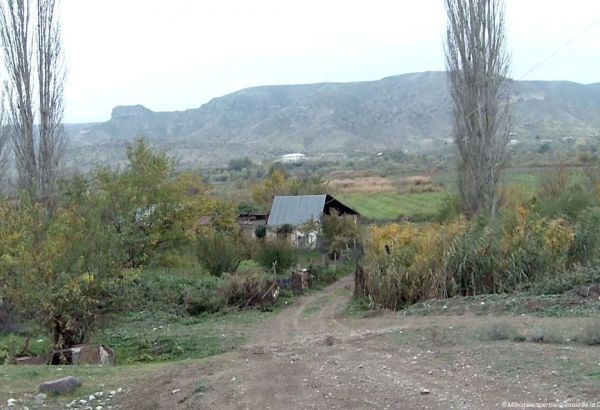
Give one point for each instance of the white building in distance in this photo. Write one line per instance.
(296, 157)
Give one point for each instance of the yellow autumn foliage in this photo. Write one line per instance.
(410, 262)
(406, 261)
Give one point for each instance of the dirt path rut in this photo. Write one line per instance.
(313, 356)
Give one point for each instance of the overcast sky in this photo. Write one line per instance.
(179, 54)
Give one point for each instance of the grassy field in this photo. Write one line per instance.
(158, 336)
(22, 381)
(144, 342)
(148, 337)
(391, 205)
(386, 206)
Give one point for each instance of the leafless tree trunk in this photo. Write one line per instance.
(4, 141)
(15, 34)
(30, 36)
(51, 77)
(478, 67)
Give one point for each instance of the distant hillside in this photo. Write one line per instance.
(407, 111)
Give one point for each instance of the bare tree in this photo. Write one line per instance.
(4, 141)
(51, 77)
(478, 65)
(35, 125)
(15, 34)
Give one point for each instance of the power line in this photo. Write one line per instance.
(560, 49)
(542, 62)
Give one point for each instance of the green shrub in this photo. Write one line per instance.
(10, 320)
(278, 254)
(182, 258)
(164, 290)
(323, 275)
(340, 232)
(218, 252)
(61, 269)
(568, 203)
(586, 244)
(284, 230)
(203, 300)
(260, 232)
(561, 282)
(474, 259)
(450, 209)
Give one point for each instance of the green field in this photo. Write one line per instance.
(386, 206)
(392, 205)
(511, 177)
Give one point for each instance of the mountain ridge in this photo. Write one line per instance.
(407, 111)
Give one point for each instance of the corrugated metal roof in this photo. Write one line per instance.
(296, 210)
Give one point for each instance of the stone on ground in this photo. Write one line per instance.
(60, 386)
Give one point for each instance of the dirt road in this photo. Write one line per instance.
(311, 355)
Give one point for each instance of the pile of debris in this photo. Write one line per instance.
(76, 355)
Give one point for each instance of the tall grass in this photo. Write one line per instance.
(540, 240)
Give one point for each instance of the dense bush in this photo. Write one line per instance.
(218, 252)
(555, 284)
(150, 210)
(159, 289)
(450, 209)
(203, 300)
(60, 269)
(586, 244)
(10, 320)
(406, 263)
(64, 265)
(260, 232)
(340, 233)
(277, 254)
(520, 248)
(284, 231)
(323, 275)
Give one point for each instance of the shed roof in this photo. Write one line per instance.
(301, 209)
(296, 210)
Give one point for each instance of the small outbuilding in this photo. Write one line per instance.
(297, 212)
(291, 158)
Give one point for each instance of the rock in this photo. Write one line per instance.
(175, 391)
(82, 402)
(112, 392)
(119, 390)
(60, 386)
(424, 392)
(11, 402)
(98, 407)
(40, 398)
(92, 398)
